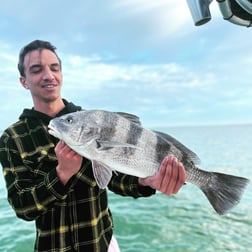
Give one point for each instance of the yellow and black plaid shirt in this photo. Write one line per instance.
(74, 217)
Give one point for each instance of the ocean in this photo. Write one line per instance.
(182, 222)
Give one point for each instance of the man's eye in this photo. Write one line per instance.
(35, 69)
(55, 69)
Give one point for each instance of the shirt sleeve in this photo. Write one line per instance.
(127, 185)
(28, 194)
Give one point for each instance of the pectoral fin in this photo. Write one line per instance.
(106, 145)
(102, 174)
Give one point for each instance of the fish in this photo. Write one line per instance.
(117, 142)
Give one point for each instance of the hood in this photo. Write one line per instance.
(31, 113)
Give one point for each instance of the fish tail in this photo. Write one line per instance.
(224, 191)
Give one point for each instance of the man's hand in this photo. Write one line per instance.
(169, 178)
(69, 162)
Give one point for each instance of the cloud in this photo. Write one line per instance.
(163, 89)
(164, 17)
(155, 79)
(144, 57)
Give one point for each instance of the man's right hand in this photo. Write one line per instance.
(69, 162)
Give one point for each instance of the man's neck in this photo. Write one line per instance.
(50, 108)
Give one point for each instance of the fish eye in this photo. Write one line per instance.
(69, 119)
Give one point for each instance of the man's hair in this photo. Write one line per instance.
(34, 45)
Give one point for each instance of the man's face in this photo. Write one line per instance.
(43, 75)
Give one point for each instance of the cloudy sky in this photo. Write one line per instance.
(141, 56)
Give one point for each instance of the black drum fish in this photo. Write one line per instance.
(117, 142)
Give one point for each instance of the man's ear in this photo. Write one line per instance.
(23, 82)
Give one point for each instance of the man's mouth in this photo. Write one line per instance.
(49, 86)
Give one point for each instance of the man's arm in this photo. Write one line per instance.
(29, 193)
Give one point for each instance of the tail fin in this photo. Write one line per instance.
(224, 191)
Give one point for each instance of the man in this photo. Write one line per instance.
(53, 185)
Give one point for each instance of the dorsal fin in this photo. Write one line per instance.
(131, 117)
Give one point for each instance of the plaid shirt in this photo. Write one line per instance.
(74, 217)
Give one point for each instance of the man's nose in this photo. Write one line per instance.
(48, 74)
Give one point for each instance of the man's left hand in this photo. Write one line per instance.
(170, 177)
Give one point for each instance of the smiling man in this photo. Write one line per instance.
(43, 77)
(50, 183)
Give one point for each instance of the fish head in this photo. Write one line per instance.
(74, 129)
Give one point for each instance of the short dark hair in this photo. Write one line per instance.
(34, 45)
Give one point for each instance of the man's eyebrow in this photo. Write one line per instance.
(35, 65)
(55, 64)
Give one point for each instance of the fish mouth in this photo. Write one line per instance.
(52, 131)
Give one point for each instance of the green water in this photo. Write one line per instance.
(184, 222)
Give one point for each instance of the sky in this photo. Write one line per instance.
(139, 56)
